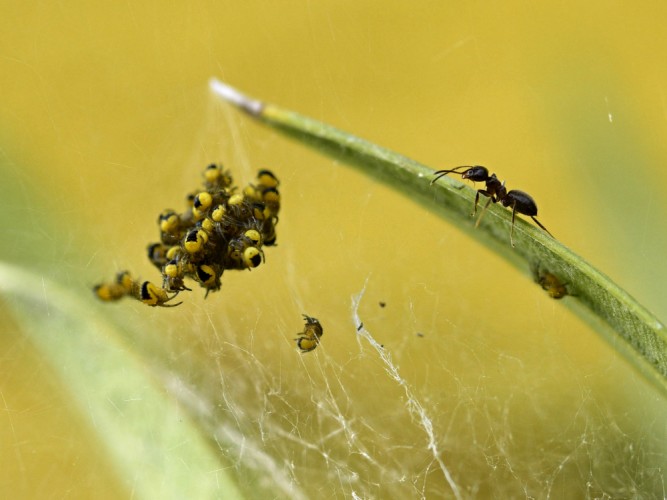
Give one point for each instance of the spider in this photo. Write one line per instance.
(550, 283)
(496, 192)
(152, 295)
(146, 292)
(309, 338)
(110, 292)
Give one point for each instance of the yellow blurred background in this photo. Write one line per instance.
(106, 119)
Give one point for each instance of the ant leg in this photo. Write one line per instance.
(512, 228)
(485, 193)
(474, 211)
(481, 214)
(538, 223)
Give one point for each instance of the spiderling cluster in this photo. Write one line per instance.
(220, 229)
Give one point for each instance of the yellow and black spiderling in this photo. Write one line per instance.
(152, 295)
(110, 292)
(200, 204)
(195, 241)
(309, 338)
(173, 275)
(550, 283)
(209, 277)
(157, 254)
(220, 229)
(124, 285)
(267, 179)
(216, 178)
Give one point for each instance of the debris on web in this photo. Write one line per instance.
(413, 405)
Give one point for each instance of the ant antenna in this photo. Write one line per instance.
(442, 173)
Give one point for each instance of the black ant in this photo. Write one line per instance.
(495, 190)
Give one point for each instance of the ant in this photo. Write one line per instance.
(497, 192)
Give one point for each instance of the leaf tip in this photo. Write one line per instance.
(234, 96)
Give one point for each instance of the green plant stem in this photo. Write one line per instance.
(626, 324)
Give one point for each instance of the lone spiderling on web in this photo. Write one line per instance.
(309, 338)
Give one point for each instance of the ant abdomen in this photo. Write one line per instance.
(522, 202)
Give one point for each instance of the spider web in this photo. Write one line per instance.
(429, 380)
(442, 371)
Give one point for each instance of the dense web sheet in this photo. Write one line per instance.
(412, 392)
(359, 429)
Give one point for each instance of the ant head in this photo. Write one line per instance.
(476, 173)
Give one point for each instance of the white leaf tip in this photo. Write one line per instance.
(236, 97)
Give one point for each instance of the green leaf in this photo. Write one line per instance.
(627, 325)
(155, 445)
